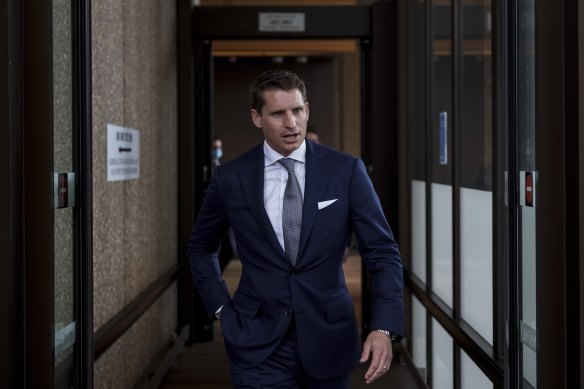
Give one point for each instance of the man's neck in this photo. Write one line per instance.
(271, 155)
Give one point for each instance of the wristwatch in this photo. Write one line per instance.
(390, 334)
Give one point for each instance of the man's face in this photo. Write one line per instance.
(283, 120)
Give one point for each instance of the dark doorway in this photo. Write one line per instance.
(372, 29)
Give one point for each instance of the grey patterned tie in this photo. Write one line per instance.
(291, 212)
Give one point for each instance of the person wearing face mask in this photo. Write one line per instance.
(216, 152)
(228, 246)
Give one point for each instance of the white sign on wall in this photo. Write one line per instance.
(281, 21)
(123, 153)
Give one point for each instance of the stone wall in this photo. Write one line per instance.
(135, 221)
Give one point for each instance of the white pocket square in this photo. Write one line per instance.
(324, 204)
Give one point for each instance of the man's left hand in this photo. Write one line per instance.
(379, 346)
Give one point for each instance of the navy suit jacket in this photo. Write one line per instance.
(271, 292)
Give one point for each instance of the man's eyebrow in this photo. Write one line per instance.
(301, 107)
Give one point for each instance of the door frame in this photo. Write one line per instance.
(558, 218)
(11, 200)
(28, 194)
(375, 28)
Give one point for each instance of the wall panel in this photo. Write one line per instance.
(135, 221)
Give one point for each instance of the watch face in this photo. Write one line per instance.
(395, 337)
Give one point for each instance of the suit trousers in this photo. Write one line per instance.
(283, 370)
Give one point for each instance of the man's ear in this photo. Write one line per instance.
(307, 110)
(256, 118)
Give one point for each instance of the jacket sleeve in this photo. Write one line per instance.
(203, 248)
(379, 252)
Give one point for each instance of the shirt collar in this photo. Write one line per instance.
(271, 156)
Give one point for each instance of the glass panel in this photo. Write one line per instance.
(442, 358)
(528, 322)
(419, 229)
(417, 134)
(64, 326)
(471, 376)
(419, 336)
(476, 161)
(441, 145)
(441, 91)
(476, 157)
(525, 124)
(442, 242)
(476, 260)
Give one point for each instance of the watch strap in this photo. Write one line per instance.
(390, 334)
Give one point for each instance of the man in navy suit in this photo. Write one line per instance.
(293, 204)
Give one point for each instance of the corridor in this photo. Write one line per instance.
(206, 365)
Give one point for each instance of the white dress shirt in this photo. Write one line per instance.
(275, 179)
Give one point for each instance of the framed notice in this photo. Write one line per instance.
(281, 21)
(123, 153)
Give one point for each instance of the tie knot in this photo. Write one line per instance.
(288, 163)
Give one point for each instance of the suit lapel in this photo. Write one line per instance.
(317, 175)
(251, 174)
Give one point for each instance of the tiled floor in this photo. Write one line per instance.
(206, 365)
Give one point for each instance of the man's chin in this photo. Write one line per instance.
(289, 147)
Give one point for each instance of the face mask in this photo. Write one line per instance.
(217, 153)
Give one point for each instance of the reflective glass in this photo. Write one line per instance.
(471, 376)
(417, 137)
(419, 336)
(525, 74)
(441, 133)
(64, 190)
(442, 358)
(418, 203)
(476, 260)
(476, 165)
(441, 149)
(442, 242)
(476, 127)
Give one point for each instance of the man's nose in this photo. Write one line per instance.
(289, 121)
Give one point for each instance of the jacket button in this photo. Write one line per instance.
(287, 312)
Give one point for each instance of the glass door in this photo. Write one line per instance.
(65, 255)
(526, 179)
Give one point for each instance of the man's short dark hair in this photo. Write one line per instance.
(276, 79)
